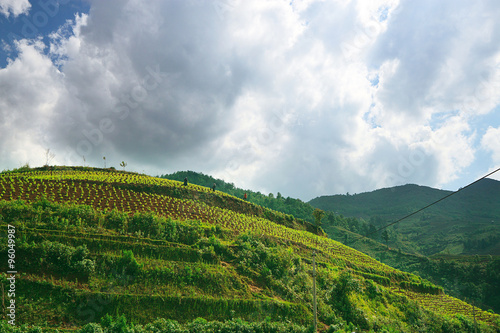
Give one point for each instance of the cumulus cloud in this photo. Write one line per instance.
(14, 7)
(29, 93)
(491, 142)
(305, 98)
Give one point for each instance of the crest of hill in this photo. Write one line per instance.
(397, 200)
(296, 207)
(479, 198)
(468, 222)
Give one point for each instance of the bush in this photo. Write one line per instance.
(61, 259)
(79, 214)
(198, 326)
(57, 256)
(212, 249)
(339, 298)
(178, 232)
(18, 210)
(85, 267)
(116, 220)
(127, 264)
(111, 325)
(263, 257)
(45, 204)
(54, 215)
(164, 326)
(147, 223)
(91, 328)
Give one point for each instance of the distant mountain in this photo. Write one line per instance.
(467, 222)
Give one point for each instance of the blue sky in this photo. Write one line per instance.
(305, 98)
(42, 18)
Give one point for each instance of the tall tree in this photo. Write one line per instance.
(318, 215)
(385, 237)
(372, 231)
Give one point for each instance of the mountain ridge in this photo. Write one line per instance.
(473, 213)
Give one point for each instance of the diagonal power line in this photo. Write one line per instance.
(431, 204)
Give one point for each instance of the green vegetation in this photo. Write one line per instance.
(110, 324)
(288, 205)
(109, 251)
(472, 279)
(475, 278)
(466, 223)
(459, 229)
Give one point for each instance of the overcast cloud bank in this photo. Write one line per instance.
(305, 98)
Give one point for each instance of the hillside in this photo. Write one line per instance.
(466, 277)
(287, 205)
(476, 278)
(115, 248)
(466, 223)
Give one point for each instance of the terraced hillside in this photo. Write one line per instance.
(92, 245)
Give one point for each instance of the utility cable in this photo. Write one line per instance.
(431, 204)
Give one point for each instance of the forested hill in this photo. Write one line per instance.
(465, 223)
(478, 199)
(397, 200)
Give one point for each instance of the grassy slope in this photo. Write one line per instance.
(466, 223)
(216, 273)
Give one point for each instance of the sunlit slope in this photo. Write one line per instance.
(131, 193)
(106, 242)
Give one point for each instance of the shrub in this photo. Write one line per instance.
(128, 264)
(198, 325)
(179, 232)
(63, 259)
(57, 256)
(85, 267)
(211, 249)
(339, 298)
(116, 220)
(111, 325)
(91, 328)
(264, 257)
(45, 204)
(18, 210)
(147, 223)
(164, 326)
(80, 214)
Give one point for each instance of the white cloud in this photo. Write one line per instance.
(261, 93)
(491, 142)
(14, 7)
(29, 90)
